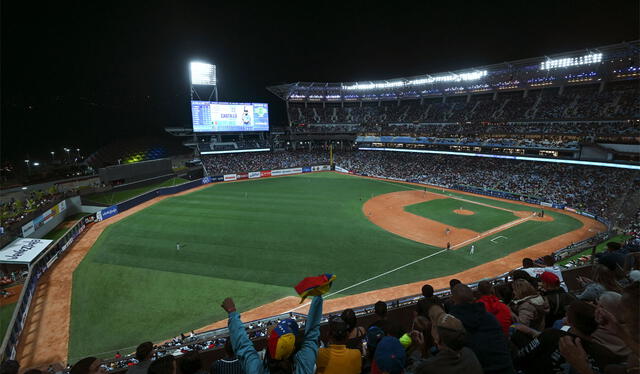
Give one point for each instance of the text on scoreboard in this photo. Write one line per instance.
(210, 116)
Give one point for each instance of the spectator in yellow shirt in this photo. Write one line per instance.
(337, 358)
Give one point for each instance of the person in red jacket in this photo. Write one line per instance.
(494, 306)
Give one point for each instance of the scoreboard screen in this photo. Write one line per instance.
(210, 116)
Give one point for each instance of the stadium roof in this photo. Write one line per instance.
(616, 61)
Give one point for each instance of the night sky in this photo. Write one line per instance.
(82, 74)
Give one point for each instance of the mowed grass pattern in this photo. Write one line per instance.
(254, 241)
(442, 210)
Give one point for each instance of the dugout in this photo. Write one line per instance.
(129, 173)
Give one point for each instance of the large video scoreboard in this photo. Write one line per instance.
(210, 116)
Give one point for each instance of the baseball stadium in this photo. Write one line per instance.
(390, 207)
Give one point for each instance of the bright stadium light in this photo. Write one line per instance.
(591, 58)
(203, 74)
(452, 77)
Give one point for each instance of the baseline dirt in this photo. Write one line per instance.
(387, 211)
(45, 338)
(464, 212)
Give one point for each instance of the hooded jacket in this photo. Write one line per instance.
(531, 311)
(486, 339)
(499, 310)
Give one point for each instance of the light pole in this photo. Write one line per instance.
(68, 157)
(52, 153)
(28, 167)
(78, 150)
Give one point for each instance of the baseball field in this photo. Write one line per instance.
(255, 239)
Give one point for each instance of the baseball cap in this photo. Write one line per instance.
(390, 357)
(374, 335)
(282, 339)
(549, 278)
(450, 322)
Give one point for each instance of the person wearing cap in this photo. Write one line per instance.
(558, 299)
(282, 356)
(453, 357)
(337, 358)
(390, 357)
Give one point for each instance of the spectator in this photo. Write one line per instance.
(282, 357)
(191, 363)
(337, 358)
(542, 354)
(453, 357)
(607, 336)
(90, 365)
(449, 302)
(494, 306)
(428, 294)
(603, 280)
(486, 338)
(528, 306)
(356, 333)
(557, 298)
(390, 357)
(380, 309)
(9, 367)
(229, 364)
(144, 353)
(163, 365)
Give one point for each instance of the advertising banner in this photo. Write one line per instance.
(206, 180)
(265, 173)
(342, 170)
(229, 177)
(587, 214)
(286, 171)
(28, 229)
(217, 178)
(243, 176)
(546, 204)
(557, 206)
(254, 174)
(23, 251)
(107, 213)
(569, 209)
(307, 169)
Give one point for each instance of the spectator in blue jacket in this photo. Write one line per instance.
(282, 356)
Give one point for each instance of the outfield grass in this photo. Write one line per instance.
(441, 210)
(253, 240)
(6, 312)
(110, 198)
(599, 248)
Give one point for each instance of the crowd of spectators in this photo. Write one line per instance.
(526, 322)
(256, 161)
(15, 210)
(616, 101)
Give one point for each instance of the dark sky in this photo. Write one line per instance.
(82, 74)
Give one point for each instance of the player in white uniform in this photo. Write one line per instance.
(473, 249)
(177, 246)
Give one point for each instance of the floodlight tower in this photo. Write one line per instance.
(203, 81)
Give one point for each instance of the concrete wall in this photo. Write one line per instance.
(74, 206)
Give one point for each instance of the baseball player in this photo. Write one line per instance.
(473, 249)
(177, 246)
(448, 246)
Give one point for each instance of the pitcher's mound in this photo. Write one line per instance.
(464, 212)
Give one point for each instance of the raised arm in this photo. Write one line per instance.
(242, 346)
(306, 356)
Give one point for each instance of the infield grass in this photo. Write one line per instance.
(252, 240)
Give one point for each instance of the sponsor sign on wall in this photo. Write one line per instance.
(107, 213)
(342, 170)
(23, 250)
(546, 204)
(306, 169)
(206, 180)
(28, 229)
(230, 177)
(42, 219)
(286, 171)
(217, 178)
(243, 176)
(265, 173)
(569, 209)
(254, 174)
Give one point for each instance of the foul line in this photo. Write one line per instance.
(489, 232)
(372, 278)
(449, 196)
